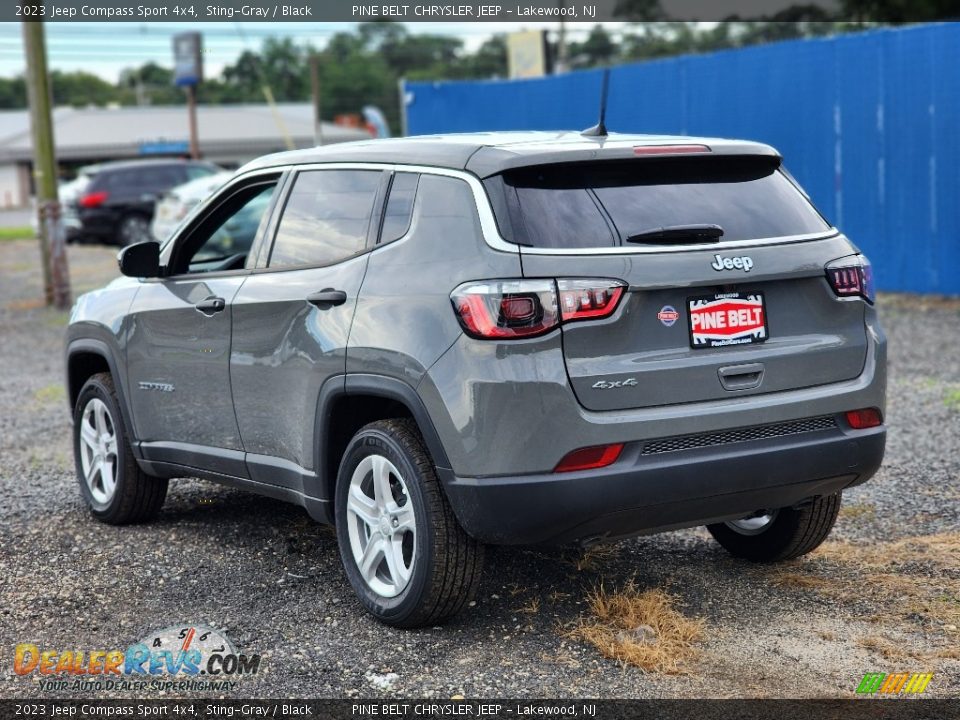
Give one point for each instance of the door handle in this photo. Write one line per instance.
(327, 298)
(211, 305)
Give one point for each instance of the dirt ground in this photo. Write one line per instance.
(883, 595)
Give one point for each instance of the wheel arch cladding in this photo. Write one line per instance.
(86, 358)
(347, 404)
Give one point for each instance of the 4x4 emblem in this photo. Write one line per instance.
(740, 262)
(611, 384)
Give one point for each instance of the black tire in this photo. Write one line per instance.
(137, 497)
(446, 563)
(792, 532)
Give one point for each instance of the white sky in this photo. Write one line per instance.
(107, 48)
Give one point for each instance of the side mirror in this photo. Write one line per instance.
(140, 260)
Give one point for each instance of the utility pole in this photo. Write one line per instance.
(560, 66)
(56, 276)
(192, 118)
(315, 95)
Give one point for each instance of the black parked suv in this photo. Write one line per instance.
(117, 205)
(438, 343)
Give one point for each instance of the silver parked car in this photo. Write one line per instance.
(175, 204)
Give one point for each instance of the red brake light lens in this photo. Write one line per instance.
(587, 299)
(94, 199)
(852, 277)
(505, 309)
(589, 458)
(669, 149)
(865, 418)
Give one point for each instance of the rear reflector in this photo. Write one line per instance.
(669, 149)
(589, 458)
(863, 419)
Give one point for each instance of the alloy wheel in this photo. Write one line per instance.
(753, 524)
(98, 451)
(381, 526)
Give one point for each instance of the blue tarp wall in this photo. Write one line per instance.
(868, 123)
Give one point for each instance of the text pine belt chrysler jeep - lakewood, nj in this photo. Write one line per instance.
(438, 343)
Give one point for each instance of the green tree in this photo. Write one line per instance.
(81, 88)
(13, 93)
(597, 49)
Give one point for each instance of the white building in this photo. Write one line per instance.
(229, 135)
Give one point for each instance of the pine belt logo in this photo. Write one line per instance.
(894, 683)
(187, 657)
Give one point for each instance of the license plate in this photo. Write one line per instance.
(727, 319)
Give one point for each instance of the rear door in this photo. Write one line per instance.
(292, 317)
(704, 317)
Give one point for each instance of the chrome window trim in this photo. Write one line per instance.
(491, 234)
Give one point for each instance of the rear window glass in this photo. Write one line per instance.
(589, 205)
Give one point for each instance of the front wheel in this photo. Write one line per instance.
(114, 487)
(780, 534)
(405, 554)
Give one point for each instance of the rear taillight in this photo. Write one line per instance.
(589, 458)
(588, 299)
(508, 309)
(865, 418)
(94, 199)
(852, 277)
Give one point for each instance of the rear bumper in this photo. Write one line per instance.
(643, 493)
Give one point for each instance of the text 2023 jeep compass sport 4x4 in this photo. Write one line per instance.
(436, 343)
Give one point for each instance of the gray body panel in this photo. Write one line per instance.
(284, 349)
(172, 344)
(475, 385)
(815, 337)
(255, 384)
(404, 321)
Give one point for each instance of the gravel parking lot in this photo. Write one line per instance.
(882, 596)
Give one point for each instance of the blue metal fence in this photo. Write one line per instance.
(869, 123)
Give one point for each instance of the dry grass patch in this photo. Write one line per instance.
(858, 511)
(594, 557)
(531, 608)
(912, 579)
(641, 628)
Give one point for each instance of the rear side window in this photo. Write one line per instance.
(399, 210)
(326, 218)
(141, 179)
(593, 205)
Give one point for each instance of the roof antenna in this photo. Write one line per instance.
(600, 129)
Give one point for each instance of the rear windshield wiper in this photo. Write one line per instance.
(678, 234)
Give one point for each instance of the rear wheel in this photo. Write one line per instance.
(117, 491)
(133, 229)
(779, 534)
(405, 554)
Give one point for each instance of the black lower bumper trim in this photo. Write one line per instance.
(649, 493)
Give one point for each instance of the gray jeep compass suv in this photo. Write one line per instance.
(441, 342)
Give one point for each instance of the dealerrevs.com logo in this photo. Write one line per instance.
(186, 657)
